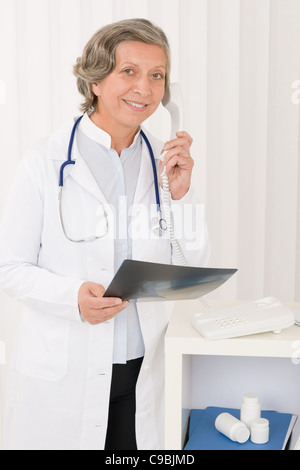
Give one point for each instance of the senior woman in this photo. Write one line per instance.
(88, 370)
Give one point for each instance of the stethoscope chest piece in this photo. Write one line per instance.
(158, 226)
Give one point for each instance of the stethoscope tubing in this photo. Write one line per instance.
(69, 161)
(154, 170)
(72, 162)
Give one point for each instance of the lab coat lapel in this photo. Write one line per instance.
(83, 176)
(81, 173)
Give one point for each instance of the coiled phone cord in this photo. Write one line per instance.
(166, 197)
(169, 220)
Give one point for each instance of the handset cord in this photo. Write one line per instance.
(169, 218)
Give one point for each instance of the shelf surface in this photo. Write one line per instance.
(183, 338)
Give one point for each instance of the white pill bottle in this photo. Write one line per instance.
(250, 409)
(232, 428)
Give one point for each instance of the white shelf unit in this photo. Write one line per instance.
(182, 342)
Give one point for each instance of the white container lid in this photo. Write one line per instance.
(242, 435)
(250, 399)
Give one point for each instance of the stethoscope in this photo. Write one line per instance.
(158, 224)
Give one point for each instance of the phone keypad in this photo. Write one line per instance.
(227, 322)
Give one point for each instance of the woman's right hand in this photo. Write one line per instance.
(95, 308)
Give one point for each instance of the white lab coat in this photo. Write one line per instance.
(59, 386)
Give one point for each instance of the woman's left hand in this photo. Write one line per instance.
(179, 164)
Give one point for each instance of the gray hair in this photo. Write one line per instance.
(98, 58)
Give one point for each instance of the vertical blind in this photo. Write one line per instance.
(236, 61)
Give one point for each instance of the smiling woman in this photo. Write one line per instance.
(131, 93)
(99, 56)
(90, 368)
(123, 74)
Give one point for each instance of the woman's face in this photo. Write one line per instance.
(134, 90)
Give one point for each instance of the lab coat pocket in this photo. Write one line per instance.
(42, 346)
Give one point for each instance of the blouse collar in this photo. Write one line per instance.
(89, 128)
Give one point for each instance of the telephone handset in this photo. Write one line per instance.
(173, 102)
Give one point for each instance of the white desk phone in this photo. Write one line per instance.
(264, 315)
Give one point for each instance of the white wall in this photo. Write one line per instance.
(222, 381)
(236, 61)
